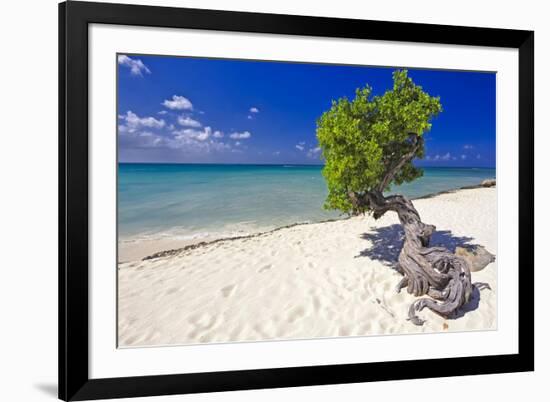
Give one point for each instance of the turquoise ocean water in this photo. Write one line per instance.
(198, 201)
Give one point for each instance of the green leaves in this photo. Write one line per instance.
(363, 140)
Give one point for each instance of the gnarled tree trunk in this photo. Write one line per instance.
(432, 271)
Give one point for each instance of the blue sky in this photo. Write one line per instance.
(192, 110)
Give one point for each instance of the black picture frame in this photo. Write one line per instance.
(74, 381)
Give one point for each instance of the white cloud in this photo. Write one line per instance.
(198, 142)
(136, 133)
(240, 136)
(463, 157)
(178, 103)
(444, 157)
(162, 112)
(254, 110)
(218, 146)
(133, 122)
(237, 143)
(478, 156)
(136, 66)
(140, 139)
(188, 122)
(468, 146)
(276, 153)
(193, 134)
(300, 146)
(249, 117)
(314, 152)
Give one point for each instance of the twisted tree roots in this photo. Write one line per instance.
(433, 271)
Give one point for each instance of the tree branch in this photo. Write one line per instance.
(416, 142)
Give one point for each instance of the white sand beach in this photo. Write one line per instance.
(307, 281)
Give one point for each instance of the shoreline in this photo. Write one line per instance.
(318, 280)
(191, 245)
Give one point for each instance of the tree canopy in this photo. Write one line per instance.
(369, 143)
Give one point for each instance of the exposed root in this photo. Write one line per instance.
(432, 271)
(482, 285)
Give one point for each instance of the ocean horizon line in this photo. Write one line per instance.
(219, 164)
(281, 164)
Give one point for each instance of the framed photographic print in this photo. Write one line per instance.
(257, 200)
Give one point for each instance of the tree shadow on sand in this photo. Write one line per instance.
(386, 243)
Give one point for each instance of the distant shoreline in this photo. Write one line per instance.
(174, 251)
(453, 190)
(282, 164)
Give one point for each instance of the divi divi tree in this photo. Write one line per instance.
(369, 144)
